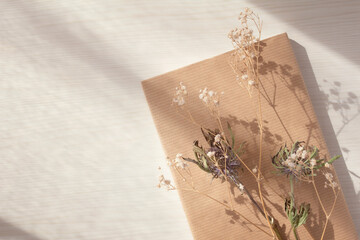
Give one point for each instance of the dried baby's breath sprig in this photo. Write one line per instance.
(179, 162)
(179, 101)
(180, 95)
(336, 190)
(246, 42)
(209, 97)
(330, 182)
(211, 100)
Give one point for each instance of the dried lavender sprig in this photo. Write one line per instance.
(221, 161)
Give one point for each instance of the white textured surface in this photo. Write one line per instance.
(78, 148)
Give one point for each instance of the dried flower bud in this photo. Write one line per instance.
(210, 154)
(217, 138)
(251, 82)
(313, 162)
(303, 156)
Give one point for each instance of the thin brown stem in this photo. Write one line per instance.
(317, 192)
(260, 121)
(328, 216)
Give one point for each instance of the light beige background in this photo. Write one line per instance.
(78, 148)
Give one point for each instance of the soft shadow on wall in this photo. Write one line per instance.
(333, 23)
(10, 232)
(321, 102)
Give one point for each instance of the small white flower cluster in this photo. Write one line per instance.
(180, 94)
(243, 40)
(330, 181)
(241, 187)
(177, 162)
(217, 138)
(245, 78)
(244, 37)
(301, 152)
(313, 162)
(209, 97)
(295, 160)
(165, 183)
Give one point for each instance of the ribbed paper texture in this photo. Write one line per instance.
(288, 116)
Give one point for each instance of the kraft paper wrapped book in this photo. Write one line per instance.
(288, 116)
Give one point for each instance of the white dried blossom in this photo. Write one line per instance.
(217, 138)
(303, 155)
(291, 165)
(210, 154)
(327, 165)
(299, 151)
(330, 181)
(241, 187)
(329, 176)
(180, 94)
(255, 170)
(251, 82)
(313, 162)
(244, 37)
(244, 77)
(209, 97)
(179, 162)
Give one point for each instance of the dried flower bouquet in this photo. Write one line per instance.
(220, 156)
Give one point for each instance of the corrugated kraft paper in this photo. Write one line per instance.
(288, 116)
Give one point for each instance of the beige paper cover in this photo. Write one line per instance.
(288, 116)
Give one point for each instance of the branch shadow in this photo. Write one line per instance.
(271, 70)
(328, 131)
